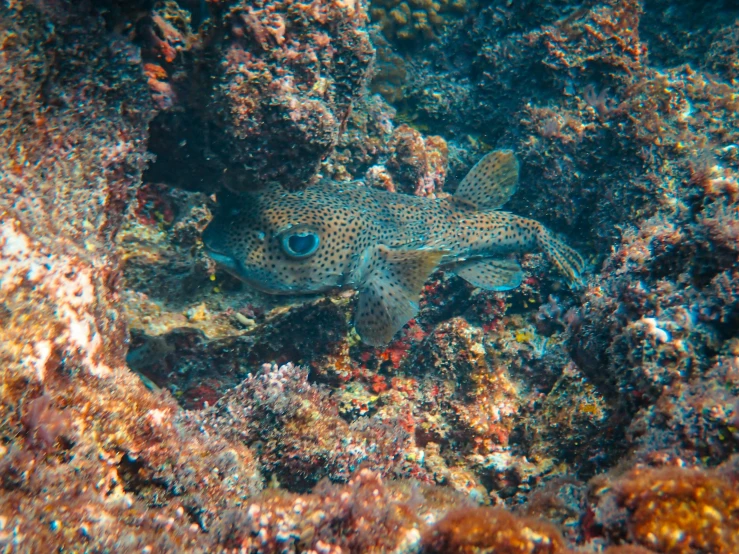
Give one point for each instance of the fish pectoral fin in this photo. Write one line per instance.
(388, 296)
(491, 274)
(492, 181)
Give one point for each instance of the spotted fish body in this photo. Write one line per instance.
(382, 244)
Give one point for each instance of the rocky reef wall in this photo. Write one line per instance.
(259, 93)
(150, 402)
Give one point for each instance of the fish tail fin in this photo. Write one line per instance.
(567, 260)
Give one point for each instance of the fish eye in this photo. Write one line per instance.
(300, 244)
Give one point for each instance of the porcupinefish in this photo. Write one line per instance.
(383, 244)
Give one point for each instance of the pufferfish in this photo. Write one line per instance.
(384, 245)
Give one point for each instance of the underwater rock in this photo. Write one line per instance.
(117, 469)
(295, 429)
(265, 89)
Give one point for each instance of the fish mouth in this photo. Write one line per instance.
(226, 261)
(234, 267)
(229, 263)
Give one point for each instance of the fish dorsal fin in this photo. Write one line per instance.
(491, 182)
(491, 274)
(391, 286)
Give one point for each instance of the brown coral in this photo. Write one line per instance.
(681, 511)
(478, 530)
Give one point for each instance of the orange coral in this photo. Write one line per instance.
(627, 549)
(477, 530)
(681, 511)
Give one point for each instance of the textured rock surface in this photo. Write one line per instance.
(610, 411)
(89, 456)
(260, 94)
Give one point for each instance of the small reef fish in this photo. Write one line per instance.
(385, 245)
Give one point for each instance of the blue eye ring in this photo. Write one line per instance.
(300, 244)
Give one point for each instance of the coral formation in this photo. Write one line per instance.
(417, 20)
(147, 399)
(681, 511)
(678, 510)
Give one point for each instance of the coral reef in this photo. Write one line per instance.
(150, 402)
(616, 149)
(590, 102)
